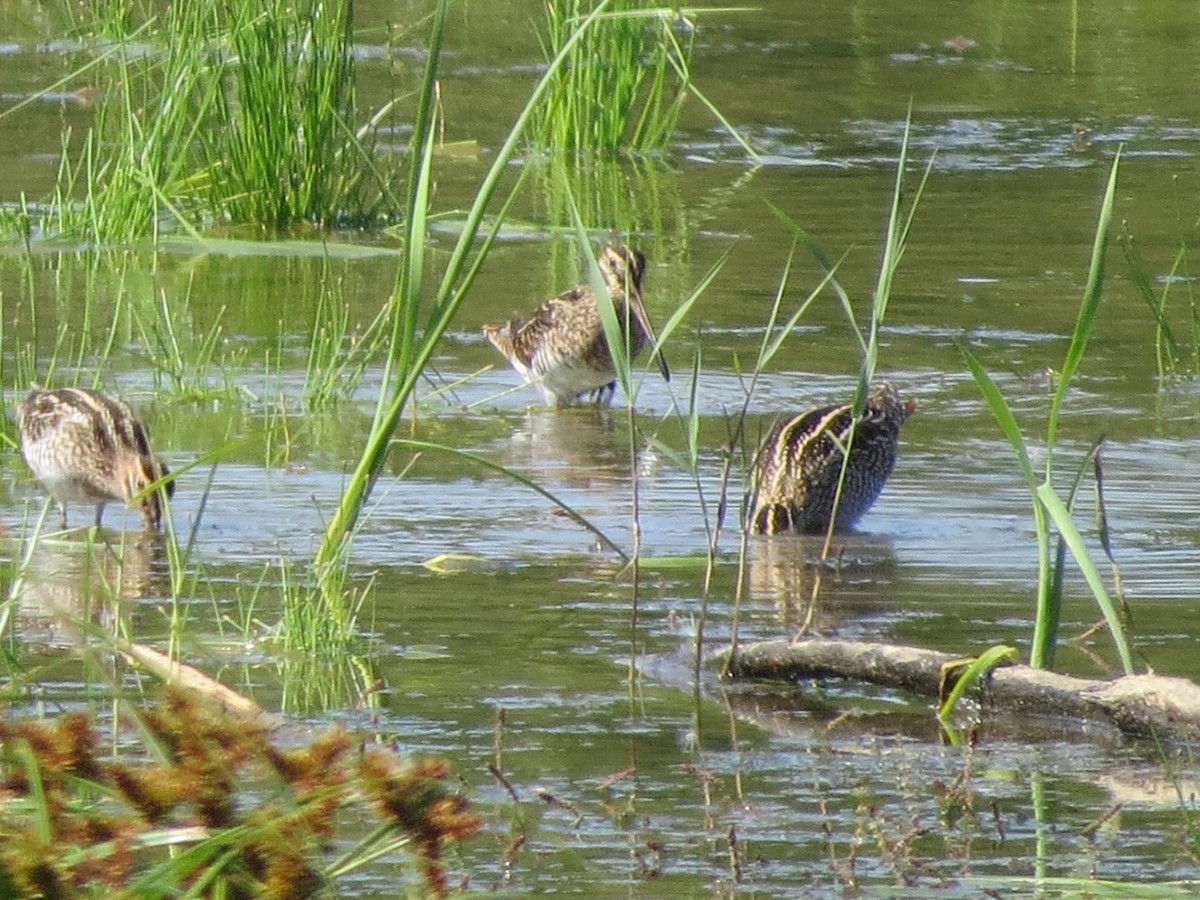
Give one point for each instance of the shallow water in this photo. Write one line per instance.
(827, 788)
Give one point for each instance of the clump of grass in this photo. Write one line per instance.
(618, 89)
(625, 83)
(193, 365)
(185, 822)
(311, 625)
(286, 147)
(338, 350)
(226, 113)
(1048, 506)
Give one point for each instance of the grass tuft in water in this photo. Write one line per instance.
(625, 83)
(618, 89)
(339, 352)
(286, 147)
(217, 114)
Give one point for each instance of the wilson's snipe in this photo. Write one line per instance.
(561, 347)
(797, 468)
(87, 446)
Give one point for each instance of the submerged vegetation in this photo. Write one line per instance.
(623, 84)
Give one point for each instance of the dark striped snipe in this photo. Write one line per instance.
(797, 468)
(561, 348)
(89, 447)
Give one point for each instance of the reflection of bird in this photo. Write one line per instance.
(799, 464)
(66, 583)
(562, 348)
(87, 446)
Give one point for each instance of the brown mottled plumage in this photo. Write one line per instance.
(797, 468)
(561, 348)
(88, 446)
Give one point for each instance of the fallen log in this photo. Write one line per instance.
(1140, 705)
(202, 688)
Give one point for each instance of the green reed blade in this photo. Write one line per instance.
(829, 268)
(1041, 654)
(767, 352)
(718, 115)
(1046, 503)
(975, 673)
(685, 307)
(1066, 527)
(1001, 411)
(1085, 323)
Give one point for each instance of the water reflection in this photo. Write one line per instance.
(857, 578)
(71, 583)
(637, 196)
(844, 714)
(580, 447)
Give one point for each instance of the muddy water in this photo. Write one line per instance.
(826, 787)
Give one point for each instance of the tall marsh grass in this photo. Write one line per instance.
(286, 147)
(620, 88)
(624, 84)
(231, 113)
(1049, 507)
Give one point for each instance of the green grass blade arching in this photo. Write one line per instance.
(1001, 411)
(404, 310)
(683, 309)
(975, 672)
(771, 346)
(828, 267)
(1041, 653)
(717, 114)
(1066, 527)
